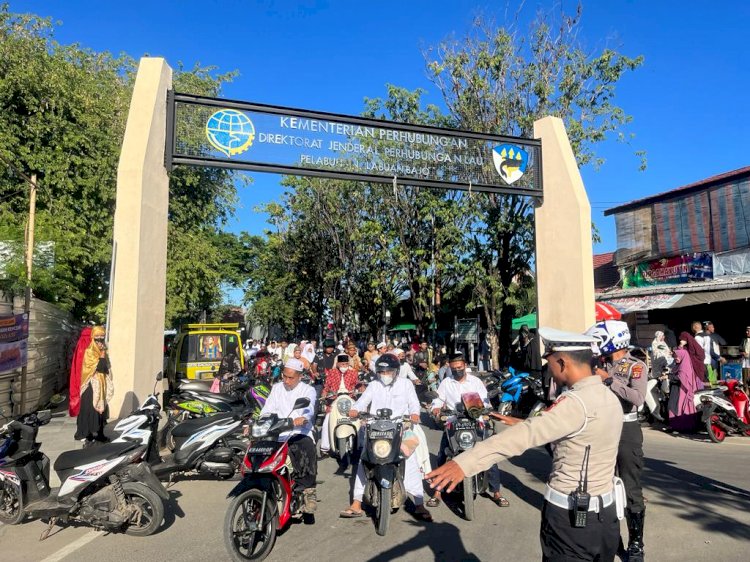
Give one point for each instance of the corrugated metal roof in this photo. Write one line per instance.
(679, 191)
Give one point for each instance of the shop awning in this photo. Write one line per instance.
(708, 297)
(529, 320)
(646, 302)
(402, 327)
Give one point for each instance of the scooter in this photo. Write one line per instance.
(521, 395)
(209, 445)
(265, 500)
(343, 430)
(463, 428)
(384, 464)
(105, 486)
(724, 410)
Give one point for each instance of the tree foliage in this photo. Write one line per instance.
(63, 110)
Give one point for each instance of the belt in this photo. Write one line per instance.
(631, 417)
(564, 500)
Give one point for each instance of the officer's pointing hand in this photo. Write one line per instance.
(447, 476)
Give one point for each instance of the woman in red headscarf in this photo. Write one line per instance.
(96, 390)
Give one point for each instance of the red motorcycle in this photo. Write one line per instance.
(724, 410)
(265, 500)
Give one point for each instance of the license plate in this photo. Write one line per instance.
(464, 425)
(344, 420)
(206, 375)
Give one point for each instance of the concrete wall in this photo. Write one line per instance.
(564, 258)
(138, 288)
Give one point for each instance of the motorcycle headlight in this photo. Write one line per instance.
(344, 405)
(465, 439)
(382, 448)
(261, 428)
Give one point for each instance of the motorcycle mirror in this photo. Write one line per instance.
(44, 416)
(301, 403)
(159, 376)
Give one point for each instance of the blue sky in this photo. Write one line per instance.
(689, 101)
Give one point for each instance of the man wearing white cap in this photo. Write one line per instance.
(301, 440)
(379, 350)
(580, 516)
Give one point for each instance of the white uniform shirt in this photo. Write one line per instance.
(400, 397)
(280, 402)
(407, 372)
(450, 391)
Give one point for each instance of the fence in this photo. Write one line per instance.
(52, 334)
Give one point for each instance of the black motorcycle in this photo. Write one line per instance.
(105, 486)
(464, 428)
(384, 465)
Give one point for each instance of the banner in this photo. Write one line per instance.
(14, 328)
(680, 269)
(13, 355)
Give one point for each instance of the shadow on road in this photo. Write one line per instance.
(699, 499)
(443, 539)
(172, 511)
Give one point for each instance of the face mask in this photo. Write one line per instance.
(458, 373)
(387, 380)
(343, 368)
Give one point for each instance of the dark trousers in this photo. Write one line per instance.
(304, 461)
(630, 464)
(562, 542)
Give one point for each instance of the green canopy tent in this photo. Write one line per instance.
(402, 327)
(529, 320)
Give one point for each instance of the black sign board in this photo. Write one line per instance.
(205, 131)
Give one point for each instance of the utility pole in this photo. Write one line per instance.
(29, 263)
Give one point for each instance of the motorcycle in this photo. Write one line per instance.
(724, 410)
(463, 428)
(207, 445)
(104, 486)
(519, 394)
(342, 430)
(384, 464)
(192, 401)
(265, 500)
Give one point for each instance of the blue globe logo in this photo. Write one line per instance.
(230, 131)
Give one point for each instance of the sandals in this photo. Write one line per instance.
(500, 502)
(433, 502)
(351, 514)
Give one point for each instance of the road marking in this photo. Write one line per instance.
(72, 547)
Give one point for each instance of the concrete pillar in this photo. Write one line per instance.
(564, 255)
(138, 286)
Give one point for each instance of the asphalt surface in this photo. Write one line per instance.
(698, 509)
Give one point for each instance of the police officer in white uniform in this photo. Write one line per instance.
(579, 517)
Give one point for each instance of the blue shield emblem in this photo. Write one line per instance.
(510, 162)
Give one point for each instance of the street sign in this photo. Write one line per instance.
(467, 330)
(204, 131)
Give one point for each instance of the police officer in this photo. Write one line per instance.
(579, 517)
(627, 377)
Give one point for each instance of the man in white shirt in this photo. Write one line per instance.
(379, 350)
(456, 383)
(397, 394)
(301, 439)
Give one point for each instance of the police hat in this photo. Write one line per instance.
(387, 362)
(559, 340)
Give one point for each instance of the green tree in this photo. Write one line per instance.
(500, 80)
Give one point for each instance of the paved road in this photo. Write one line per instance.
(698, 509)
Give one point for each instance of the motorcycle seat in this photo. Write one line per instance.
(188, 427)
(194, 385)
(79, 457)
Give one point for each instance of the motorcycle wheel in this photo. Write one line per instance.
(241, 543)
(468, 486)
(384, 511)
(150, 505)
(482, 483)
(11, 504)
(715, 432)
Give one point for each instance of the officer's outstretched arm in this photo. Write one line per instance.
(564, 417)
